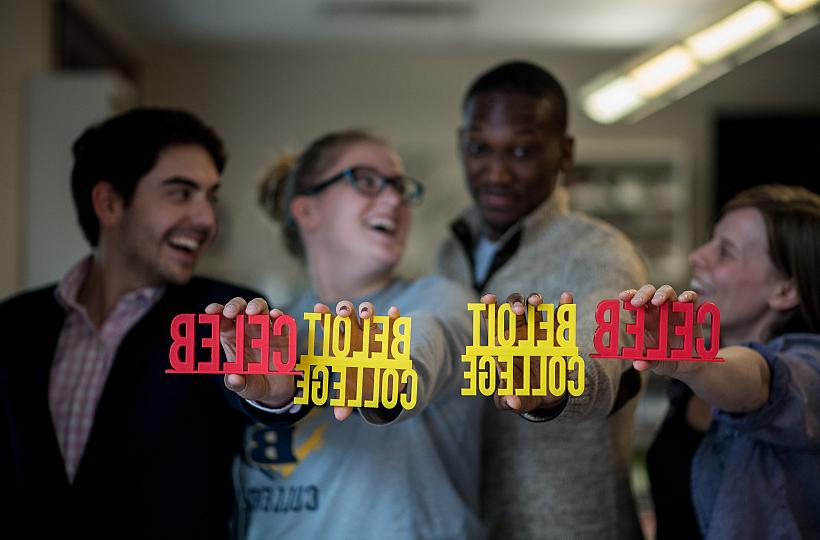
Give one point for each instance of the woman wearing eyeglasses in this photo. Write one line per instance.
(345, 207)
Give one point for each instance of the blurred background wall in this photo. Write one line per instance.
(24, 27)
(266, 102)
(266, 93)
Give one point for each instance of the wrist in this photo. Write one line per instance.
(551, 401)
(281, 398)
(686, 372)
(551, 407)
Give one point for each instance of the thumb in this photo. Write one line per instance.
(513, 402)
(247, 386)
(342, 413)
(643, 365)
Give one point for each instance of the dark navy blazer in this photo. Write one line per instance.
(158, 459)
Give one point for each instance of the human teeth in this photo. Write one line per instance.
(383, 225)
(184, 242)
(697, 285)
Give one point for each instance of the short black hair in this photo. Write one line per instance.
(525, 78)
(123, 149)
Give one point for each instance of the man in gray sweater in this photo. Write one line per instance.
(568, 475)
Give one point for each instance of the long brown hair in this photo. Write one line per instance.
(792, 218)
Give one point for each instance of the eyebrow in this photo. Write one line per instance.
(728, 241)
(186, 182)
(529, 131)
(519, 132)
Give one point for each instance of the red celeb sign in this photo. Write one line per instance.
(610, 326)
(184, 341)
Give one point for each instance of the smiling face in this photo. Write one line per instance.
(353, 229)
(734, 271)
(170, 219)
(511, 150)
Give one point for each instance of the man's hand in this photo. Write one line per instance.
(366, 311)
(512, 402)
(654, 298)
(271, 390)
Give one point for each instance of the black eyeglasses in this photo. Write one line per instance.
(370, 182)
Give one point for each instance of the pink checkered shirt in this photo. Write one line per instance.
(83, 359)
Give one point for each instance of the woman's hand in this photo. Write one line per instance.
(738, 384)
(369, 381)
(653, 298)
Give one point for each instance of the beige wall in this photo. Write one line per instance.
(264, 102)
(26, 51)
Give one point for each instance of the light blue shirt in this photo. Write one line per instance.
(416, 477)
(483, 256)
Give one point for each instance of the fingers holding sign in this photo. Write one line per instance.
(515, 372)
(271, 389)
(356, 332)
(659, 324)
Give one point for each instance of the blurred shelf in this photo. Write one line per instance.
(644, 188)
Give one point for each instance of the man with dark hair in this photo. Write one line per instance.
(125, 148)
(95, 439)
(569, 476)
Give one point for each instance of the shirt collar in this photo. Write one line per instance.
(69, 286)
(554, 207)
(377, 298)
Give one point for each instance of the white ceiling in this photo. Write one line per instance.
(570, 24)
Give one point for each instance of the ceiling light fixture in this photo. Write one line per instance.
(794, 6)
(641, 87)
(613, 100)
(660, 73)
(734, 32)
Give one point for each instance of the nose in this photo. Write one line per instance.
(203, 214)
(699, 257)
(390, 195)
(499, 170)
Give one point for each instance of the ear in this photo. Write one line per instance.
(305, 213)
(567, 153)
(108, 204)
(785, 296)
(460, 132)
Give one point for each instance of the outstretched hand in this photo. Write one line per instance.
(523, 403)
(653, 299)
(272, 390)
(369, 381)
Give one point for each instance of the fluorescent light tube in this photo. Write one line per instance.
(794, 6)
(662, 72)
(733, 32)
(613, 101)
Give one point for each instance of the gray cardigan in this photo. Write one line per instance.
(567, 478)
